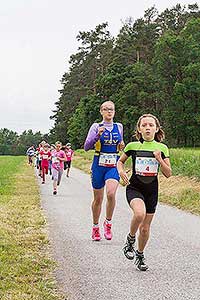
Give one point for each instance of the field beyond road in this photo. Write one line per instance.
(25, 266)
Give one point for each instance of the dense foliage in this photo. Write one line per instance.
(13, 144)
(153, 65)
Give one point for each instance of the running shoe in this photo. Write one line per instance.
(96, 234)
(129, 248)
(107, 230)
(54, 192)
(140, 262)
(43, 182)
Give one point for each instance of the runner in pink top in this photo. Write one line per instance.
(58, 159)
(69, 154)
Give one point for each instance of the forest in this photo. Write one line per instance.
(151, 66)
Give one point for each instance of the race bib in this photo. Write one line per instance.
(45, 156)
(146, 166)
(108, 159)
(54, 160)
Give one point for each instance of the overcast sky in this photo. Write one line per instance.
(37, 38)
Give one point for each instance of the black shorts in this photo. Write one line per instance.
(149, 195)
(67, 164)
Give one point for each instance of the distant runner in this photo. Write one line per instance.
(69, 154)
(30, 154)
(45, 155)
(58, 158)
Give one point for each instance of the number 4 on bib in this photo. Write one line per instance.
(146, 166)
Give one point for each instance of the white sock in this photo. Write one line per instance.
(109, 221)
(96, 225)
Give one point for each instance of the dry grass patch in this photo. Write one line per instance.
(182, 192)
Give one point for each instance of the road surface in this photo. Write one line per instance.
(89, 270)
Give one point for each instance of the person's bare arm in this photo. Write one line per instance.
(120, 168)
(164, 164)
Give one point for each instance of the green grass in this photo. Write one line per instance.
(25, 267)
(185, 162)
(9, 167)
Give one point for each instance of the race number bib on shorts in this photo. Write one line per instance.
(108, 159)
(146, 166)
(45, 156)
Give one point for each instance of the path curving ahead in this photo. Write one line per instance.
(90, 270)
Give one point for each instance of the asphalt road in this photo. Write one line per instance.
(89, 270)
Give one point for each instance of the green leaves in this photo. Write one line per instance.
(152, 66)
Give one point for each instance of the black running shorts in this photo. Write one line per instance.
(149, 196)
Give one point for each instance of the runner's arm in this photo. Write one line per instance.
(92, 137)
(121, 144)
(165, 166)
(120, 168)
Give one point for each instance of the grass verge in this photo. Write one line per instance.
(25, 265)
(179, 190)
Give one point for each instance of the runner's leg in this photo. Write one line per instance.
(96, 204)
(111, 188)
(96, 211)
(144, 231)
(139, 212)
(43, 174)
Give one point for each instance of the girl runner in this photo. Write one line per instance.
(148, 154)
(69, 154)
(58, 158)
(45, 155)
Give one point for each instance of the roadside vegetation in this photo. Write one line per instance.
(181, 190)
(25, 264)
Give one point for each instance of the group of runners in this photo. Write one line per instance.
(51, 159)
(148, 154)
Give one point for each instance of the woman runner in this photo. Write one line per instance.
(107, 138)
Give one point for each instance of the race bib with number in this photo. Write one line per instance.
(108, 159)
(54, 160)
(45, 156)
(146, 166)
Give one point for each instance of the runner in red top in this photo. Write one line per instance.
(45, 155)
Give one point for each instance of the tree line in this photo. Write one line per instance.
(11, 143)
(151, 66)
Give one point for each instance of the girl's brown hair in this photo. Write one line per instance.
(159, 136)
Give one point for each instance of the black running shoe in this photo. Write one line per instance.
(140, 262)
(129, 248)
(54, 192)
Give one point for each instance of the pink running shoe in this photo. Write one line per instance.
(96, 234)
(107, 230)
